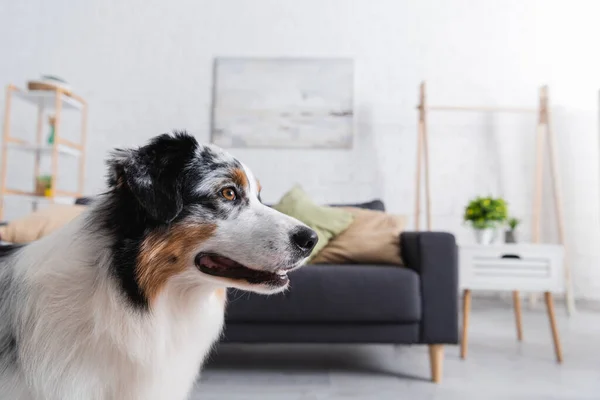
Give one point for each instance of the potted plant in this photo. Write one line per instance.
(485, 215)
(510, 235)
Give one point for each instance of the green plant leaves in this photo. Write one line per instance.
(486, 212)
(513, 223)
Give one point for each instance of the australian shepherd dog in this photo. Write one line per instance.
(124, 302)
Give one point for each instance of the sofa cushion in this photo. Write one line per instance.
(335, 294)
(327, 222)
(372, 238)
(40, 223)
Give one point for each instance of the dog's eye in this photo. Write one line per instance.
(229, 194)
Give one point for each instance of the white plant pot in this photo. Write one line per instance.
(486, 236)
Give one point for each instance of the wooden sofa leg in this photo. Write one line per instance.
(436, 360)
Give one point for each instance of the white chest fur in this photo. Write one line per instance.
(86, 343)
(80, 339)
(183, 339)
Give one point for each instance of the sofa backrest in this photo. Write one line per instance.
(376, 205)
(370, 205)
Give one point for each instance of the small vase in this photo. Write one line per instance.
(510, 237)
(485, 236)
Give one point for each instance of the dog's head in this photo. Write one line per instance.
(179, 208)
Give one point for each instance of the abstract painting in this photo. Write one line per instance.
(283, 103)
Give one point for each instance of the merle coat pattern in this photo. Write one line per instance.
(125, 301)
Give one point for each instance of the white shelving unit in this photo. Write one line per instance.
(54, 101)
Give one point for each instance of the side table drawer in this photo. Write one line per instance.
(512, 267)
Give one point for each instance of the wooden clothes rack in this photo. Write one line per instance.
(544, 136)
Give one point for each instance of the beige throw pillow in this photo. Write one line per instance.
(39, 223)
(328, 222)
(372, 238)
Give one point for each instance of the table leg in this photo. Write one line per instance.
(552, 318)
(465, 327)
(517, 305)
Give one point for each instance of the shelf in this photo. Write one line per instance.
(47, 103)
(45, 149)
(42, 199)
(47, 99)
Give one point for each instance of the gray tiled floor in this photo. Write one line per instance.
(498, 367)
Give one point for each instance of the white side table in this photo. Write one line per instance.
(512, 267)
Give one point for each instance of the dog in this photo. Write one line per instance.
(125, 302)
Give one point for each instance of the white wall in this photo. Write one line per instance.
(145, 68)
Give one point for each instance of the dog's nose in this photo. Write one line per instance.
(305, 239)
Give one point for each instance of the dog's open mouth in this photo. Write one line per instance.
(216, 265)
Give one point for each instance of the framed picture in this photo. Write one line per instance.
(283, 103)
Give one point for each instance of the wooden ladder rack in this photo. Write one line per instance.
(544, 135)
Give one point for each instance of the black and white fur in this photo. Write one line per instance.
(113, 306)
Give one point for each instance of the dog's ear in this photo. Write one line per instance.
(154, 174)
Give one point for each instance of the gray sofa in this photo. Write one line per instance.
(416, 304)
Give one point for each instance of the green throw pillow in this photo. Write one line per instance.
(328, 222)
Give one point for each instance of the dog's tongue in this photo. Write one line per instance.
(215, 265)
(224, 261)
(213, 261)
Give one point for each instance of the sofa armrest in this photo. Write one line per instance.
(434, 256)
